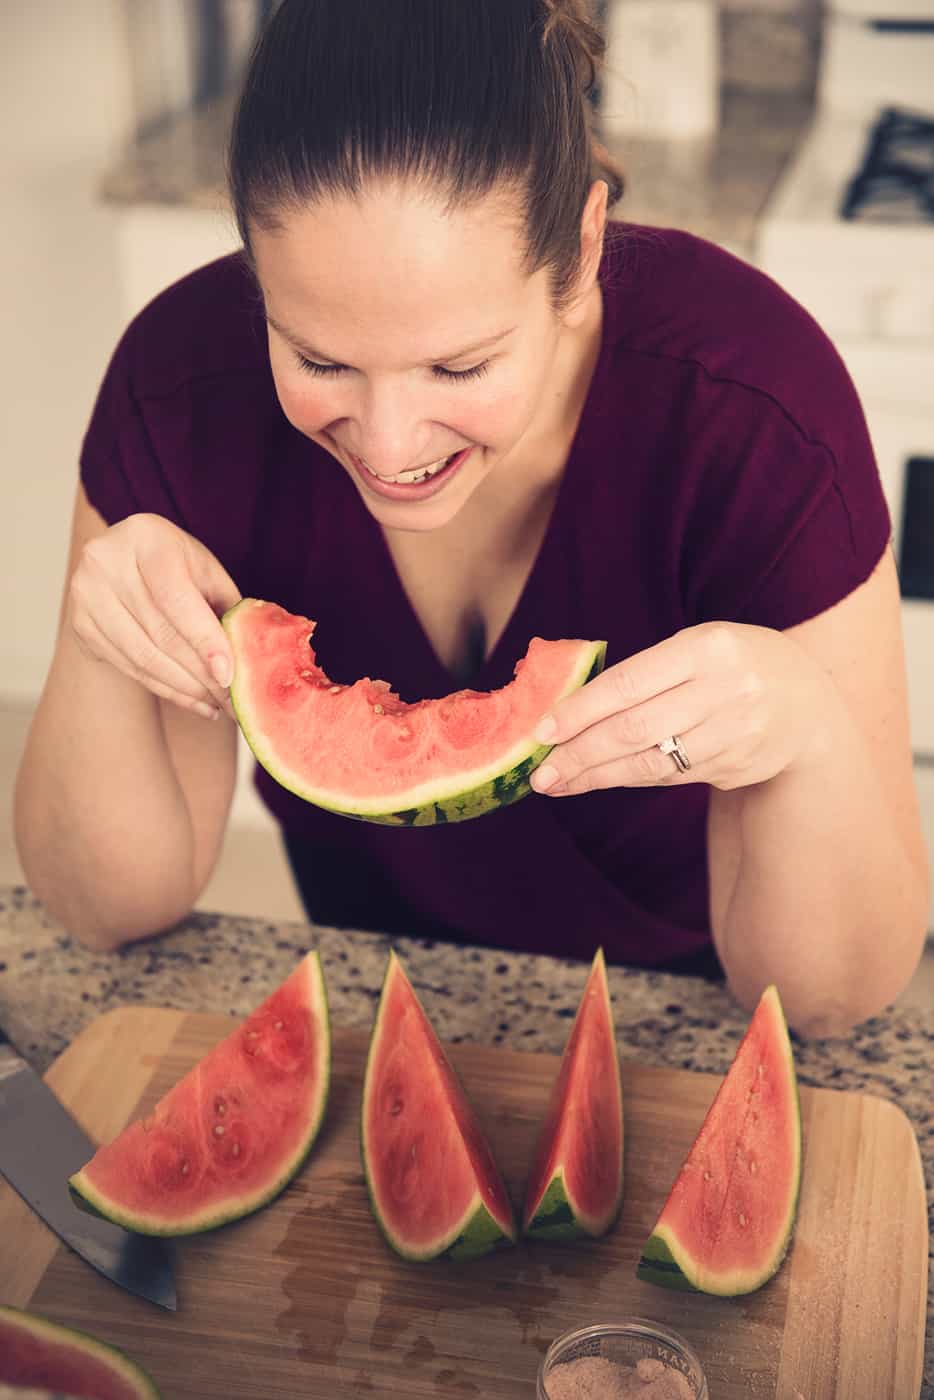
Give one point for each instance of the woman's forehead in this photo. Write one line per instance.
(388, 263)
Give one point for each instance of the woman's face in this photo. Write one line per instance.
(408, 340)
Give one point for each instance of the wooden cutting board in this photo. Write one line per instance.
(305, 1300)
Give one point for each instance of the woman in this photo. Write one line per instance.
(440, 405)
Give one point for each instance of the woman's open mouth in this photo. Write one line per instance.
(416, 484)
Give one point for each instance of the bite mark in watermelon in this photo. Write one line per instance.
(728, 1220)
(434, 1186)
(576, 1183)
(42, 1355)
(360, 751)
(230, 1135)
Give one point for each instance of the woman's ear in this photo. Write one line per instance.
(593, 227)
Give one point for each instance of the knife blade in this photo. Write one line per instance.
(41, 1146)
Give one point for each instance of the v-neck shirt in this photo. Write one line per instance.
(721, 469)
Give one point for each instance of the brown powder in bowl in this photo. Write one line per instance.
(596, 1378)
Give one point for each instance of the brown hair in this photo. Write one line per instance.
(467, 93)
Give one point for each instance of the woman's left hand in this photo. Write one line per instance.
(746, 702)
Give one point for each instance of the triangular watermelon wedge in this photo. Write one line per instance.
(434, 1186)
(727, 1223)
(576, 1183)
(40, 1355)
(231, 1134)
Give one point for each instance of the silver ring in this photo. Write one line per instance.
(675, 749)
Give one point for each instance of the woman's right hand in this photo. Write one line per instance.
(146, 597)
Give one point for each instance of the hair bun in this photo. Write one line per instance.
(574, 19)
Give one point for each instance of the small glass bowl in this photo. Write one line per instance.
(624, 1342)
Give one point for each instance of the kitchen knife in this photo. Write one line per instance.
(41, 1146)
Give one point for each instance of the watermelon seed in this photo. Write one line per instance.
(707, 1176)
(252, 1034)
(334, 690)
(396, 1108)
(235, 1150)
(378, 710)
(305, 675)
(277, 1025)
(218, 1130)
(220, 1107)
(185, 1169)
(742, 1218)
(752, 1167)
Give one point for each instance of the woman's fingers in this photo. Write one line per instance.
(188, 695)
(649, 767)
(180, 635)
(178, 614)
(629, 732)
(143, 588)
(621, 688)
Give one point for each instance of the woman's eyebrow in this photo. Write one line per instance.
(314, 354)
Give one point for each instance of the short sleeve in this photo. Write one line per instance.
(120, 469)
(788, 518)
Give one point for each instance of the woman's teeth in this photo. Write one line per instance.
(415, 473)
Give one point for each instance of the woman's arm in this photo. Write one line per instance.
(817, 864)
(121, 797)
(819, 876)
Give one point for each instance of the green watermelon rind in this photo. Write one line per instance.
(429, 804)
(667, 1262)
(87, 1198)
(54, 1332)
(557, 1215)
(475, 1234)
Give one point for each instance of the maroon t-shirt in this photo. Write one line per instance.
(721, 470)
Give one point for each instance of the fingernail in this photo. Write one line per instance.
(543, 778)
(205, 711)
(546, 730)
(220, 669)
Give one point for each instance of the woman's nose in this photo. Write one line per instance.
(390, 429)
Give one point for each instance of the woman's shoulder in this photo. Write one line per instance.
(683, 299)
(208, 324)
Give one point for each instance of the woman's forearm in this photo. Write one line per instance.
(102, 827)
(828, 899)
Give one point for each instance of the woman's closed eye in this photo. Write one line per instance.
(440, 371)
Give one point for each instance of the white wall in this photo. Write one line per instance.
(72, 272)
(65, 111)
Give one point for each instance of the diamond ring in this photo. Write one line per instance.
(675, 749)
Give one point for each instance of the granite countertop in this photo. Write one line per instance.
(713, 187)
(51, 987)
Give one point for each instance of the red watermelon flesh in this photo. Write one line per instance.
(233, 1132)
(360, 750)
(576, 1183)
(728, 1220)
(42, 1355)
(434, 1185)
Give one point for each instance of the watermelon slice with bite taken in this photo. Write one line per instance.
(434, 1186)
(727, 1223)
(361, 751)
(40, 1355)
(576, 1183)
(233, 1132)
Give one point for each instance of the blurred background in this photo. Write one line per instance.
(797, 134)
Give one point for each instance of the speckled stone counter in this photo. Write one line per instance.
(713, 187)
(51, 987)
